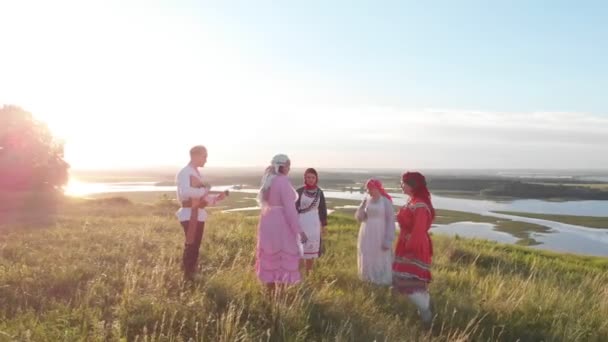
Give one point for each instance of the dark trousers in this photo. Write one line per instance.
(191, 251)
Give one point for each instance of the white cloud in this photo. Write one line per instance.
(389, 137)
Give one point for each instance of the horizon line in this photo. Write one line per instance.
(164, 167)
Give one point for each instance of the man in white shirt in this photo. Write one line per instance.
(193, 196)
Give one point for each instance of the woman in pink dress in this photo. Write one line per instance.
(278, 253)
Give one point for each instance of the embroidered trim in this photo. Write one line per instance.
(415, 262)
(278, 269)
(413, 207)
(313, 204)
(408, 276)
(263, 252)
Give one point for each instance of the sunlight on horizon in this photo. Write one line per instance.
(119, 105)
(77, 188)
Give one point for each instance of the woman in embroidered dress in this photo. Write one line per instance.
(313, 216)
(278, 252)
(376, 235)
(412, 265)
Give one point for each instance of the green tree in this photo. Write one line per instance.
(31, 158)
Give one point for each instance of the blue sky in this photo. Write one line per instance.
(482, 55)
(405, 84)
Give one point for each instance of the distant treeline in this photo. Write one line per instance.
(464, 184)
(488, 186)
(545, 191)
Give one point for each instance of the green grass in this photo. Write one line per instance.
(520, 230)
(599, 186)
(587, 221)
(109, 270)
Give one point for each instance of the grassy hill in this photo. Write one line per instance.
(109, 270)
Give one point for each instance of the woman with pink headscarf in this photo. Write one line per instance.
(376, 235)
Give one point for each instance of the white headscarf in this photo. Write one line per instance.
(271, 172)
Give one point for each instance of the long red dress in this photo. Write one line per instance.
(412, 264)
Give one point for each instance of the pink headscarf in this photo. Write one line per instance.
(376, 184)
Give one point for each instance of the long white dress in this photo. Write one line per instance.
(377, 230)
(311, 225)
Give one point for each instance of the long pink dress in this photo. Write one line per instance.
(278, 252)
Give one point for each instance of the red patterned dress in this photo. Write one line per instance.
(412, 263)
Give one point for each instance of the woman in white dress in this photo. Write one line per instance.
(313, 217)
(376, 235)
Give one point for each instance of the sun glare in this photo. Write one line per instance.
(77, 188)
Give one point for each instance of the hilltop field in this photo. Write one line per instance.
(109, 270)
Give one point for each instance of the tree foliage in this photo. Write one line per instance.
(31, 158)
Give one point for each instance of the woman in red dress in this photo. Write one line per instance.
(412, 263)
